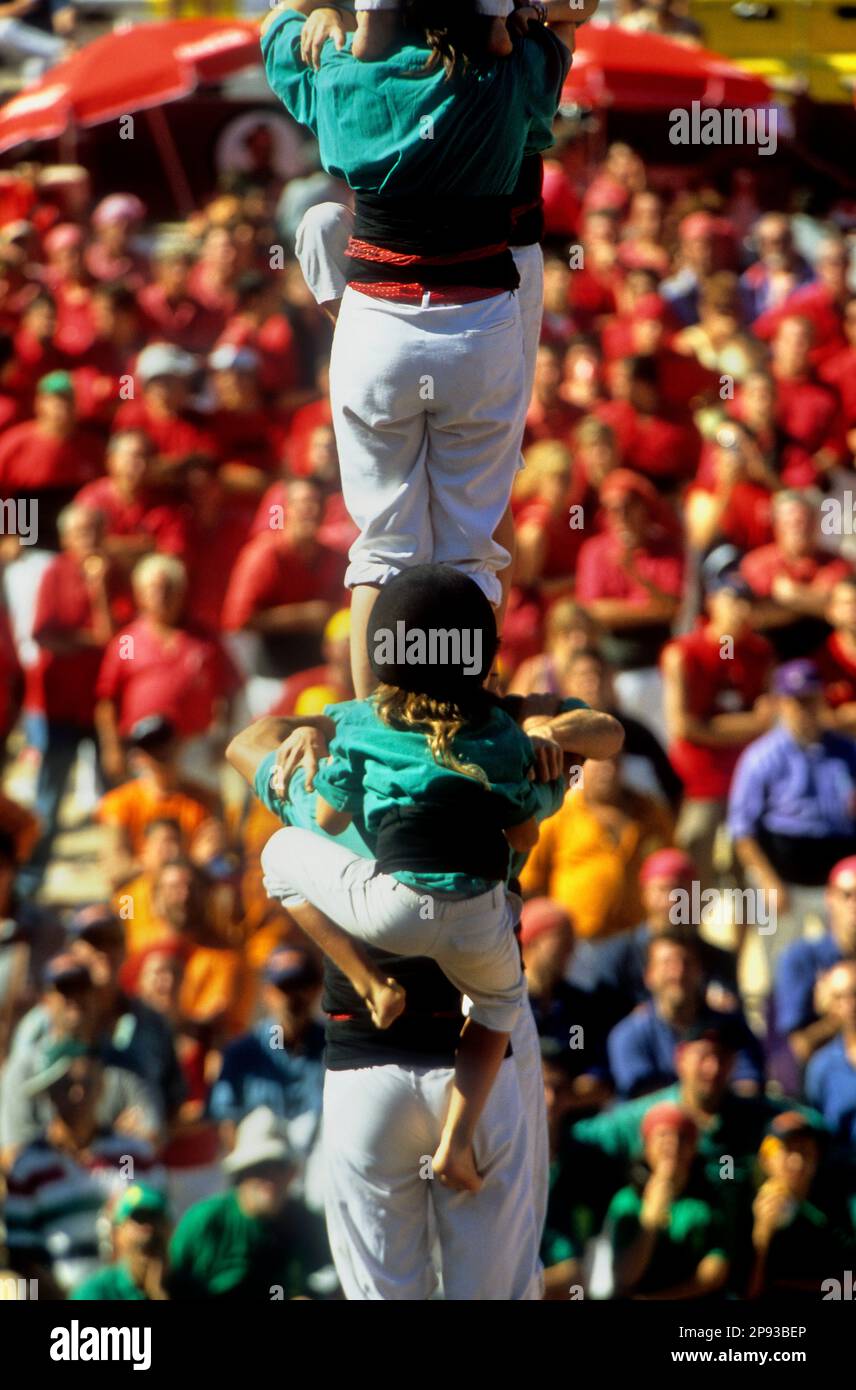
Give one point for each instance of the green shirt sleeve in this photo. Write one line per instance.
(622, 1218)
(547, 65)
(289, 77)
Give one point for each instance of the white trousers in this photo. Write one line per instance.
(526, 1049)
(471, 939)
(428, 409)
(381, 1126)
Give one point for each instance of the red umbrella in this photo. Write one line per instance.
(646, 72)
(134, 69)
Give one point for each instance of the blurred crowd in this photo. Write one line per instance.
(173, 549)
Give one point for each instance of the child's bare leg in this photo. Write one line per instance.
(363, 600)
(384, 996)
(375, 33)
(479, 1058)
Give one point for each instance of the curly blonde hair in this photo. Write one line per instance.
(440, 720)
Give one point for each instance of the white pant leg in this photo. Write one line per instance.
(320, 245)
(382, 438)
(381, 1127)
(471, 939)
(530, 267)
(526, 1048)
(489, 1241)
(475, 428)
(378, 1138)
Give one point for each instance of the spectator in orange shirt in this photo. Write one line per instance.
(589, 853)
(162, 843)
(157, 791)
(217, 992)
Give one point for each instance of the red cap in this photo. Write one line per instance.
(668, 863)
(541, 915)
(668, 1116)
(843, 869)
(621, 482)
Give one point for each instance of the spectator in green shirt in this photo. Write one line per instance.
(140, 1235)
(800, 1236)
(251, 1242)
(667, 1239)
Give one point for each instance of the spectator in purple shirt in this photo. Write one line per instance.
(792, 808)
(803, 963)
(830, 1079)
(642, 1046)
(779, 269)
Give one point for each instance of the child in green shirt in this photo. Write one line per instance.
(441, 779)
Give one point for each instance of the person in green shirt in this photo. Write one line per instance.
(140, 1236)
(249, 1242)
(667, 1238)
(799, 1238)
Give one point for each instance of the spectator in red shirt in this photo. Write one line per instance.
(557, 324)
(173, 313)
(836, 659)
(249, 437)
(582, 383)
(717, 341)
(212, 279)
(160, 665)
(137, 520)
(50, 456)
(568, 629)
(838, 371)
(546, 541)
(284, 587)
(650, 442)
(69, 282)
(81, 600)
(791, 578)
(592, 285)
(111, 256)
(736, 505)
(808, 412)
(217, 523)
(716, 680)
(178, 433)
(258, 323)
(630, 579)
(327, 684)
(548, 416)
(642, 237)
(756, 407)
(36, 351)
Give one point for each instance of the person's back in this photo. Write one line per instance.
(396, 127)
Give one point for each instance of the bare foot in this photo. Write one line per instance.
(456, 1167)
(374, 34)
(499, 40)
(386, 1001)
